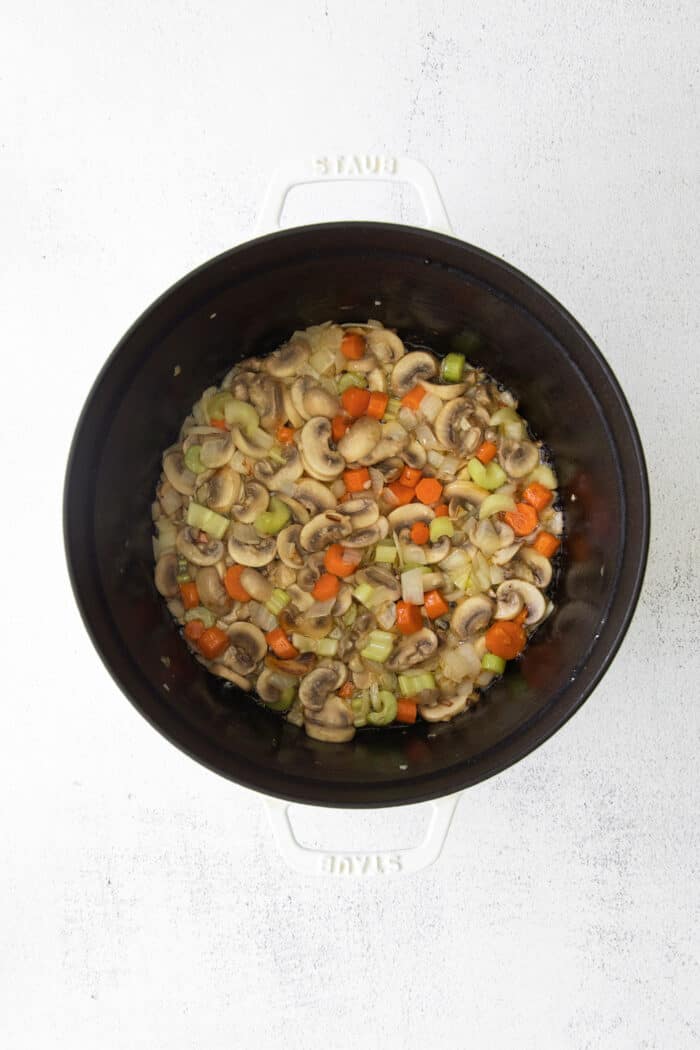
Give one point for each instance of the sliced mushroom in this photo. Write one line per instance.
(540, 566)
(466, 491)
(390, 469)
(257, 585)
(319, 459)
(216, 449)
(254, 552)
(281, 575)
(343, 601)
(413, 649)
(181, 479)
(314, 495)
(381, 577)
(412, 368)
(367, 536)
(310, 573)
(222, 671)
(290, 409)
(166, 575)
(324, 529)
(384, 344)
(454, 428)
(275, 475)
(506, 554)
(266, 395)
(255, 446)
(299, 512)
(212, 593)
(169, 498)
(393, 441)
(471, 616)
(247, 648)
(320, 683)
(361, 511)
(268, 687)
(445, 391)
(256, 499)
(518, 458)
(289, 548)
(415, 455)
(311, 399)
(288, 360)
(406, 516)
(297, 667)
(221, 490)
(362, 437)
(513, 594)
(206, 552)
(333, 723)
(446, 708)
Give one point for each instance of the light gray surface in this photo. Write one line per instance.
(143, 903)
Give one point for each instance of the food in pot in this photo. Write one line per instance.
(361, 533)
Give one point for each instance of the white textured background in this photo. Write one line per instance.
(143, 904)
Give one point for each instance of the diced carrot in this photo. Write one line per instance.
(406, 710)
(538, 496)
(285, 435)
(420, 533)
(410, 477)
(346, 691)
(357, 480)
(326, 586)
(353, 346)
(189, 594)
(442, 511)
(342, 561)
(220, 424)
(408, 617)
(435, 605)
(233, 585)
(194, 630)
(355, 401)
(506, 639)
(547, 544)
(486, 451)
(338, 426)
(377, 404)
(346, 496)
(400, 493)
(521, 617)
(213, 642)
(280, 644)
(522, 520)
(429, 490)
(413, 398)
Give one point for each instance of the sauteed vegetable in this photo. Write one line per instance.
(361, 533)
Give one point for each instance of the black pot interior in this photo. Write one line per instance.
(436, 291)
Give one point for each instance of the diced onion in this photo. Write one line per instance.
(262, 617)
(408, 419)
(412, 586)
(449, 466)
(504, 415)
(435, 458)
(544, 475)
(461, 662)
(426, 436)
(430, 406)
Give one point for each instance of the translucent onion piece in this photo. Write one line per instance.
(412, 586)
(430, 406)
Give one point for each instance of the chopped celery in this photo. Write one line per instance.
(384, 711)
(193, 459)
(209, 521)
(304, 644)
(360, 708)
(491, 662)
(242, 415)
(322, 361)
(327, 646)
(393, 408)
(183, 573)
(277, 601)
(285, 701)
(452, 368)
(414, 565)
(504, 415)
(272, 520)
(364, 594)
(275, 454)
(490, 477)
(200, 613)
(385, 552)
(545, 475)
(350, 616)
(462, 579)
(379, 646)
(494, 504)
(441, 527)
(349, 379)
(413, 683)
(216, 405)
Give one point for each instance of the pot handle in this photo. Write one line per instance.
(301, 171)
(354, 863)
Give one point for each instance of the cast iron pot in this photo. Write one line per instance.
(433, 289)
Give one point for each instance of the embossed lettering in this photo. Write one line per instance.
(320, 165)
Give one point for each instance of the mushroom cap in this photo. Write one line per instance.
(166, 575)
(299, 512)
(343, 600)
(384, 344)
(540, 566)
(320, 402)
(518, 458)
(390, 469)
(529, 596)
(310, 573)
(393, 440)
(365, 537)
(207, 553)
(333, 723)
(272, 475)
(471, 616)
(288, 360)
(360, 510)
(257, 585)
(314, 495)
(415, 455)
(467, 491)
(181, 479)
(406, 516)
(256, 500)
(289, 548)
(254, 552)
(265, 393)
(255, 447)
(319, 459)
(247, 647)
(445, 391)
(324, 529)
(216, 448)
(445, 709)
(453, 426)
(267, 687)
(413, 649)
(320, 683)
(222, 671)
(380, 576)
(411, 369)
(221, 490)
(212, 593)
(362, 437)
(290, 409)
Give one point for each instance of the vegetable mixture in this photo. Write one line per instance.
(362, 533)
